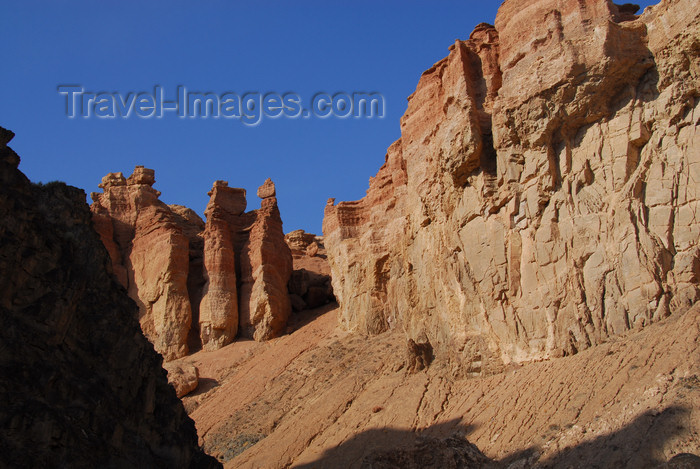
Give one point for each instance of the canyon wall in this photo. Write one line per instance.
(80, 385)
(196, 283)
(310, 283)
(543, 195)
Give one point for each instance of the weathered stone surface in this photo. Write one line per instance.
(683, 461)
(232, 200)
(196, 284)
(297, 302)
(543, 195)
(312, 249)
(80, 385)
(218, 320)
(267, 189)
(150, 254)
(266, 265)
(6, 136)
(193, 228)
(247, 264)
(310, 283)
(308, 252)
(184, 377)
(628, 403)
(418, 356)
(298, 241)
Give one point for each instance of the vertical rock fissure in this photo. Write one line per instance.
(568, 126)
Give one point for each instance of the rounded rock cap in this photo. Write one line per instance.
(267, 190)
(142, 175)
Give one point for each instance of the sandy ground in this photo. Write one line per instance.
(323, 397)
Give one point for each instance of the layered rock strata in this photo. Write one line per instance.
(543, 195)
(80, 385)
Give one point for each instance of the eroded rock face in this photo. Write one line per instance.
(150, 253)
(267, 190)
(265, 266)
(247, 264)
(218, 310)
(543, 195)
(80, 385)
(196, 283)
(193, 228)
(310, 283)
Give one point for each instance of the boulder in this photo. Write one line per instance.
(267, 190)
(184, 377)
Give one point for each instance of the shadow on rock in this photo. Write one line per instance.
(443, 445)
(641, 444)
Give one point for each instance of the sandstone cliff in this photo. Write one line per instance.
(543, 195)
(196, 283)
(80, 385)
(150, 254)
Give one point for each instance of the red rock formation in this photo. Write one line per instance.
(308, 252)
(218, 320)
(266, 264)
(150, 254)
(541, 197)
(193, 227)
(267, 189)
(247, 264)
(228, 274)
(80, 386)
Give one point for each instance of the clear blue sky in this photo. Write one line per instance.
(300, 46)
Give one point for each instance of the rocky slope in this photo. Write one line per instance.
(322, 397)
(80, 385)
(543, 196)
(197, 284)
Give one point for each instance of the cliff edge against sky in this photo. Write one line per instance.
(544, 194)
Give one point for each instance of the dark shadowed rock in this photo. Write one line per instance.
(80, 385)
(429, 453)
